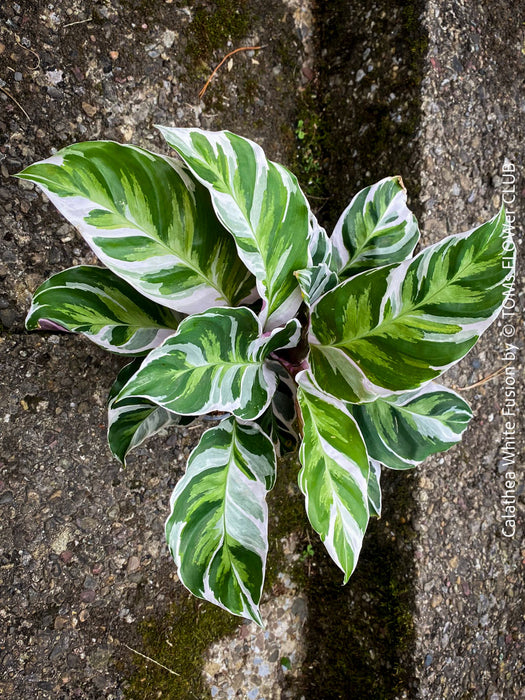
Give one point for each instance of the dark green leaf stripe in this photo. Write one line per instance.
(217, 531)
(374, 489)
(316, 281)
(394, 328)
(280, 418)
(376, 229)
(401, 431)
(335, 472)
(320, 246)
(216, 361)
(132, 421)
(106, 309)
(123, 378)
(260, 203)
(148, 221)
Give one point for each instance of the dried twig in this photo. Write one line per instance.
(148, 658)
(242, 48)
(80, 21)
(484, 380)
(17, 103)
(26, 48)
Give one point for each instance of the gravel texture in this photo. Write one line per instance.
(432, 90)
(80, 539)
(267, 663)
(470, 583)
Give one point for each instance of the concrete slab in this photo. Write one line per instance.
(429, 90)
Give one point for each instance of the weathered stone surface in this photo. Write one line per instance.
(469, 622)
(427, 89)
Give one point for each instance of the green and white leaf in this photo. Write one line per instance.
(319, 245)
(217, 531)
(262, 206)
(377, 228)
(280, 418)
(401, 431)
(316, 281)
(132, 421)
(148, 221)
(106, 309)
(335, 473)
(216, 361)
(374, 489)
(392, 329)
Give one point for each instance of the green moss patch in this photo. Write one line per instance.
(213, 24)
(178, 641)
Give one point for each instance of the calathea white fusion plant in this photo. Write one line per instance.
(221, 284)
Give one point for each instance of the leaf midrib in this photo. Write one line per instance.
(327, 470)
(153, 237)
(359, 249)
(230, 189)
(231, 464)
(394, 319)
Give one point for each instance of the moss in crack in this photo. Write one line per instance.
(249, 92)
(215, 23)
(308, 160)
(178, 641)
(287, 516)
(212, 26)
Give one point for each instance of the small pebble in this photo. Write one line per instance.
(60, 622)
(89, 109)
(55, 93)
(133, 564)
(168, 38)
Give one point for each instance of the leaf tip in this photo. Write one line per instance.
(255, 616)
(400, 182)
(121, 458)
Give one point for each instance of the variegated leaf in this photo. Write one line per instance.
(335, 473)
(123, 378)
(376, 229)
(216, 361)
(106, 309)
(319, 245)
(131, 421)
(374, 488)
(260, 203)
(401, 431)
(316, 281)
(217, 531)
(280, 418)
(397, 327)
(148, 221)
